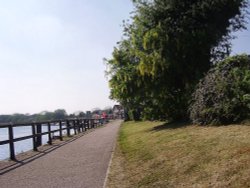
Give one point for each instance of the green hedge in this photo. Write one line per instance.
(223, 96)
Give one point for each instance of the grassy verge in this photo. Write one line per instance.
(151, 154)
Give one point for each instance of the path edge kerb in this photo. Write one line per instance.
(111, 158)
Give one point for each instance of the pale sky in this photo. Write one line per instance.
(51, 53)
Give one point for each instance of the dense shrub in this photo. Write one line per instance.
(223, 95)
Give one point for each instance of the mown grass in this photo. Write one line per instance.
(154, 154)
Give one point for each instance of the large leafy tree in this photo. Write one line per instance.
(167, 48)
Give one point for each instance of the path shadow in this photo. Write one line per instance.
(34, 155)
(171, 125)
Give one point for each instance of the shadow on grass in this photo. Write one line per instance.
(171, 125)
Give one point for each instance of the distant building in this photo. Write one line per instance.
(118, 112)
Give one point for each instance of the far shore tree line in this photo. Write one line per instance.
(173, 62)
(56, 115)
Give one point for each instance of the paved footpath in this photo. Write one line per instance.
(81, 163)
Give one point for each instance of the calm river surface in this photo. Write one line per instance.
(24, 145)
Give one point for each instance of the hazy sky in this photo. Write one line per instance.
(51, 53)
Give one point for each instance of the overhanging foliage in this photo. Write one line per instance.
(167, 48)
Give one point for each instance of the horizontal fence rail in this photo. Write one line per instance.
(77, 125)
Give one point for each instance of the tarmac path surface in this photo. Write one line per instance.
(81, 163)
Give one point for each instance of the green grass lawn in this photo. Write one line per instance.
(154, 154)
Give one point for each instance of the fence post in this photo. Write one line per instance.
(12, 147)
(34, 137)
(85, 124)
(88, 122)
(49, 134)
(68, 128)
(60, 132)
(78, 125)
(92, 123)
(39, 136)
(74, 124)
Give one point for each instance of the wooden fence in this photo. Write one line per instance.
(77, 125)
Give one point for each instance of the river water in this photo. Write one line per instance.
(25, 145)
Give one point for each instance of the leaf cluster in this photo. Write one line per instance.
(223, 96)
